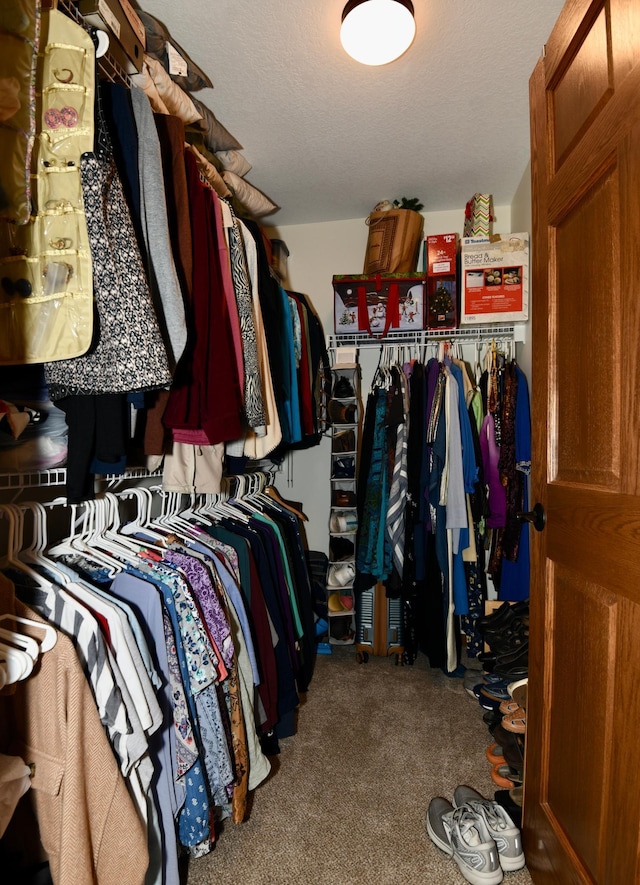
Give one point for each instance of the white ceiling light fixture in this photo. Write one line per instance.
(375, 32)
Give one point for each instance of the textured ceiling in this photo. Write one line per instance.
(328, 137)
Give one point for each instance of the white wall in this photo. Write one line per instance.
(317, 252)
(521, 221)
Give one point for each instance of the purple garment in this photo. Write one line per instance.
(490, 455)
(202, 587)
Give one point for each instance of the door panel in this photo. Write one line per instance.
(588, 401)
(583, 88)
(576, 799)
(582, 785)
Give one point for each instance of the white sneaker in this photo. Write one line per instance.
(462, 834)
(501, 828)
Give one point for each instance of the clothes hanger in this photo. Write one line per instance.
(16, 664)
(225, 507)
(20, 640)
(36, 552)
(273, 493)
(106, 537)
(84, 544)
(16, 531)
(143, 523)
(65, 546)
(50, 635)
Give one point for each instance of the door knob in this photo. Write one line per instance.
(537, 517)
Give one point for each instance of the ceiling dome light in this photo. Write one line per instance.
(375, 32)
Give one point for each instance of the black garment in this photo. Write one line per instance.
(98, 428)
(251, 589)
(413, 587)
(289, 526)
(118, 113)
(287, 694)
(364, 581)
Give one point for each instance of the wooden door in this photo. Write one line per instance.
(582, 794)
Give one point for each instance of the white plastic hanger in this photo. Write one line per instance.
(21, 641)
(50, 635)
(16, 664)
(36, 553)
(16, 527)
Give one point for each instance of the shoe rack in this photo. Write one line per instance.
(345, 411)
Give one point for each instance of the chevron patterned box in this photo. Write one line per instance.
(495, 279)
(478, 216)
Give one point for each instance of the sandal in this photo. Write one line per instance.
(500, 780)
(509, 707)
(516, 721)
(494, 754)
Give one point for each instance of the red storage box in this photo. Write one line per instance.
(375, 305)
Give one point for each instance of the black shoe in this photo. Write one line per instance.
(503, 615)
(341, 549)
(492, 717)
(343, 388)
(509, 639)
(511, 665)
(503, 797)
(498, 616)
(344, 468)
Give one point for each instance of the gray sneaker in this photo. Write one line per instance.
(462, 834)
(501, 828)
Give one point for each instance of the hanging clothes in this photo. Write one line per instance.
(206, 393)
(87, 821)
(464, 488)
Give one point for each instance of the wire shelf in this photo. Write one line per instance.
(420, 337)
(108, 67)
(58, 477)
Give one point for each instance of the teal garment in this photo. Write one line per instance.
(290, 419)
(374, 548)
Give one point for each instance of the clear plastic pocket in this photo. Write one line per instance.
(59, 233)
(67, 103)
(60, 189)
(19, 279)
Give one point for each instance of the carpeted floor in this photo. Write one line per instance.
(347, 799)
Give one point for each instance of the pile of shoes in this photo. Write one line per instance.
(501, 691)
(507, 727)
(506, 632)
(477, 833)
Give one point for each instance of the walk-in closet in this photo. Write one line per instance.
(315, 507)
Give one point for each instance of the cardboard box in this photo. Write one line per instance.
(135, 21)
(126, 46)
(443, 290)
(356, 293)
(495, 279)
(442, 254)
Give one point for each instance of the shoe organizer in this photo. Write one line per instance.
(344, 410)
